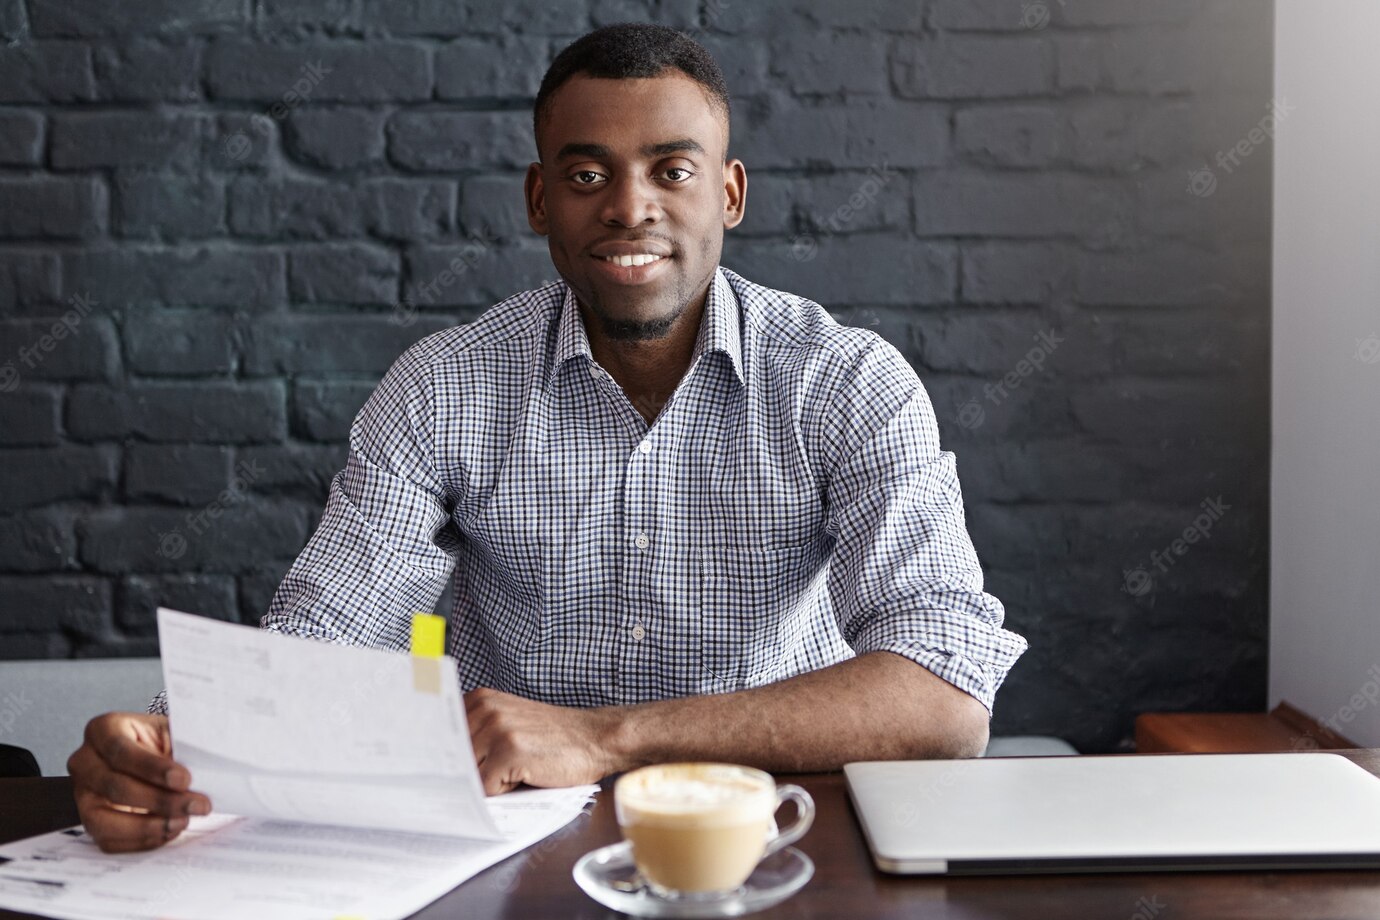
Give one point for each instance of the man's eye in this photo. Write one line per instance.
(584, 172)
(678, 169)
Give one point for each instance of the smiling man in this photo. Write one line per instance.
(685, 516)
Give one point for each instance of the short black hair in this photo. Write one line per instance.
(631, 50)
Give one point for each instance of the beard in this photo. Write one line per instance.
(634, 330)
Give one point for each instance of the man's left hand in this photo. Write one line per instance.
(519, 741)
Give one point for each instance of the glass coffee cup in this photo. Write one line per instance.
(697, 830)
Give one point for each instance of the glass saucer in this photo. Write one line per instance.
(608, 876)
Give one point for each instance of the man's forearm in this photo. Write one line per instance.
(878, 706)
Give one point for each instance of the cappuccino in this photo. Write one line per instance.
(697, 828)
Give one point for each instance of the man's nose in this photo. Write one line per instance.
(632, 201)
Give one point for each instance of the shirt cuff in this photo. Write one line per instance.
(933, 641)
(159, 705)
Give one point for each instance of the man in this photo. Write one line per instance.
(687, 517)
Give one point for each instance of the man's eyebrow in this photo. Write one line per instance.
(666, 148)
(600, 152)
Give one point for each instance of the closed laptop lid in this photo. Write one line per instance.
(1117, 814)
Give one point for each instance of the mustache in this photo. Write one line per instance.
(644, 238)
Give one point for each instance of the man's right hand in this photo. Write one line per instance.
(130, 793)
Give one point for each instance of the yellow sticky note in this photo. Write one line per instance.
(428, 645)
(426, 674)
(428, 635)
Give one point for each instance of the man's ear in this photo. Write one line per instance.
(535, 192)
(735, 193)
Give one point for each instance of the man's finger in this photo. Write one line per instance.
(494, 778)
(118, 831)
(478, 697)
(136, 758)
(121, 789)
(480, 715)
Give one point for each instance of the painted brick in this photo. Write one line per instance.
(210, 276)
(38, 541)
(46, 71)
(231, 538)
(323, 411)
(84, 18)
(206, 412)
(48, 208)
(292, 75)
(162, 206)
(335, 138)
(808, 62)
(181, 344)
(443, 141)
(146, 71)
(346, 273)
(55, 474)
(21, 138)
(332, 344)
(78, 344)
(181, 474)
(132, 140)
(31, 414)
(73, 603)
(139, 597)
(960, 67)
(481, 68)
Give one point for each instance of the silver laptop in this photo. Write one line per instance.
(1139, 813)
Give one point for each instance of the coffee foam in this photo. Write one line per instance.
(695, 795)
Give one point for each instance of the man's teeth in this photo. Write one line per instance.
(628, 261)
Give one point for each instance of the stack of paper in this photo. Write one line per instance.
(343, 781)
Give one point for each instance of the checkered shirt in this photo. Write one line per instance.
(788, 508)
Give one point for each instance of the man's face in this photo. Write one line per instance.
(634, 166)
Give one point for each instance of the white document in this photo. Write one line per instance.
(280, 727)
(231, 868)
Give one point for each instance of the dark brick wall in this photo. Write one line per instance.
(221, 220)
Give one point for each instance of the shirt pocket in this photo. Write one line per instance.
(750, 609)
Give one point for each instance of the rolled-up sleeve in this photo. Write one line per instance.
(905, 577)
(384, 546)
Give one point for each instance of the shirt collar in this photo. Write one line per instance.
(720, 329)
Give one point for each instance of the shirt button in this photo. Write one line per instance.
(645, 447)
(642, 541)
(638, 632)
(595, 371)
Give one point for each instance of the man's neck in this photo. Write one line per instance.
(648, 370)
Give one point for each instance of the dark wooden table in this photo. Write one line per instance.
(537, 884)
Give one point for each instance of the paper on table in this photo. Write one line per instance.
(228, 868)
(280, 727)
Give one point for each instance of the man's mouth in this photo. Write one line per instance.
(632, 268)
(630, 261)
